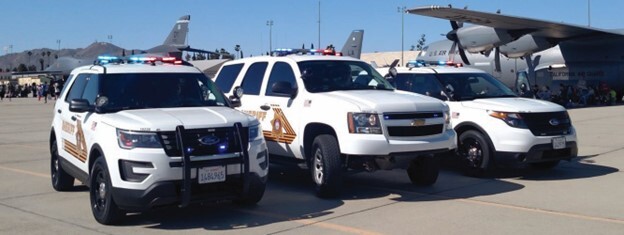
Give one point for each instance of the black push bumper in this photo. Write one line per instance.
(188, 190)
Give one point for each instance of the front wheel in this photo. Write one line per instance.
(61, 180)
(254, 192)
(475, 152)
(424, 170)
(326, 166)
(103, 206)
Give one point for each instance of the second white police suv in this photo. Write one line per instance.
(334, 113)
(151, 134)
(493, 124)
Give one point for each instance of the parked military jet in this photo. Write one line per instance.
(174, 45)
(523, 52)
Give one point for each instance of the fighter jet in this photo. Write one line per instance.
(524, 52)
(174, 45)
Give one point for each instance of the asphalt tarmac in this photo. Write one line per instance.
(584, 196)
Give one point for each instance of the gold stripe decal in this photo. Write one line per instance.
(282, 131)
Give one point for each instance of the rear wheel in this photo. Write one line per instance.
(475, 152)
(103, 206)
(545, 165)
(61, 180)
(325, 166)
(424, 170)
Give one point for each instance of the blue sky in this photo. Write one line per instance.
(142, 24)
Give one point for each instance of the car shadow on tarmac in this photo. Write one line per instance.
(577, 168)
(290, 198)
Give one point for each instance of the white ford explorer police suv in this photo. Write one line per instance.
(151, 134)
(336, 113)
(493, 124)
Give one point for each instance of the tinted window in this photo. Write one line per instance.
(469, 86)
(75, 92)
(333, 75)
(158, 90)
(91, 90)
(425, 84)
(253, 78)
(281, 72)
(227, 76)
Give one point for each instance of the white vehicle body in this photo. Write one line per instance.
(291, 121)
(142, 177)
(547, 138)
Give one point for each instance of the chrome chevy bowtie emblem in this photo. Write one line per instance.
(208, 140)
(553, 122)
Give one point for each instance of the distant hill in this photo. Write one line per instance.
(97, 48)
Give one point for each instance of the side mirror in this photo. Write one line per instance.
(80, 106)
(285, 88)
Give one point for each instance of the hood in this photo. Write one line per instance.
(386, 101)
(167, 119)
(521, 105)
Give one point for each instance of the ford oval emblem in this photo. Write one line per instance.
(553, 122)
(208, 140)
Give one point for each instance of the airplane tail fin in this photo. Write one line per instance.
(179, 31)
(353, 45)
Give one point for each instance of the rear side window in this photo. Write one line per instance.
(253, 78)
(281, 72)
(227, 77)
(75, 92)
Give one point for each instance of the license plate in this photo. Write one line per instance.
(211, 174)
(559, 142)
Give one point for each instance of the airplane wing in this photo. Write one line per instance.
(560, 31)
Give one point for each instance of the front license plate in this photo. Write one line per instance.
(211, 174)
(559, 142)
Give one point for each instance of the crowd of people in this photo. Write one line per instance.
(574, 96)
(43, 91)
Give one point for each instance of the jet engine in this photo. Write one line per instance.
(524, 46)
(482, 38)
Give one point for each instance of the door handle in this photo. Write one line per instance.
(73, 118)
(265, 107)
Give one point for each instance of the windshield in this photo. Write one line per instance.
(332, 75)
(157, 90)
(425, 84)
(469, 86)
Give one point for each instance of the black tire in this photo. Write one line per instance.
(103, 206)
(424, 170)
(61, 180)
(544, 165)
(325, 166)
(254, 193)
(476, 153)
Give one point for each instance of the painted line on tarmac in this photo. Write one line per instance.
(25, 172)
(311, 222)
(508, 206)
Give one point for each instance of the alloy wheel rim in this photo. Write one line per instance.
(100, 192)
(473, 152)
(318, 167)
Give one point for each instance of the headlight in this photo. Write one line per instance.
(447, 119)
(254, 132)
(364, 123)
(130, 140)
(512, 119)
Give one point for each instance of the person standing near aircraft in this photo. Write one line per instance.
(2, 91)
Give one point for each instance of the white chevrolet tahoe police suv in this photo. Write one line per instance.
(151, 134)
(493, 124)
(336, 113)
